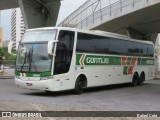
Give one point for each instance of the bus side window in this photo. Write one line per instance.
(64, 52)
(150, 50)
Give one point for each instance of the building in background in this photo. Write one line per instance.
(5, 43)
(17, 27)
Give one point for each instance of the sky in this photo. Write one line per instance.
(67, 7)
(6, 23)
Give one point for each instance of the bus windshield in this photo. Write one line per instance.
(32, 55)
(33, 58)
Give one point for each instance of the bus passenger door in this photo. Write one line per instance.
(62, 66)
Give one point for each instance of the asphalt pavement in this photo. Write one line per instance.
(108, 98)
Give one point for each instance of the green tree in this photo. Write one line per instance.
(1, 52)
(9, 59)
(1, 56)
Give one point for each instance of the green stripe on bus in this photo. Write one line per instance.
(129, 61)
(83, 59)
(125, 69)
(44, 74)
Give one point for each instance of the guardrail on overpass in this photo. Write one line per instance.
(100, 11)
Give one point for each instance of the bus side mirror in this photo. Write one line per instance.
(10, 48)
(51, 46)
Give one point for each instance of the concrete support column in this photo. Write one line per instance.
(39, 13)
(53, 8)
(156, 39)
(132, 33)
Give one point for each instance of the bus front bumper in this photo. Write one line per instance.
(46, 85)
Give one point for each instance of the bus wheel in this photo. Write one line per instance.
(141, 79)
(79, 86)
(49, 92)
(135, 79)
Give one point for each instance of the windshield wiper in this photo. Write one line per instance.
(32, 61)
(29, 55)
(24, 61)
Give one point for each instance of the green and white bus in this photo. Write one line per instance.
(59, 58)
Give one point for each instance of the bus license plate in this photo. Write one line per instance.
(29, 84)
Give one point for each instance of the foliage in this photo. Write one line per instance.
(9, 59)
(1, 55)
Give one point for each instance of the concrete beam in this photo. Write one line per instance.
(143, 18)
(39, 13)
(8, 4)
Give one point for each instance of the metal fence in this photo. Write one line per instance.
(96, 11)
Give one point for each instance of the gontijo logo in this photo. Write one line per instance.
(97, 60)
(22, 74)
(81, 61)
(93, 60)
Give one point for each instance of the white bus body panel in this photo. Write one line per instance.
(99, 75)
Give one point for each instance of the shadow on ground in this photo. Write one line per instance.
(86, 91)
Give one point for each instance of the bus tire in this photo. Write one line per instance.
(135, 79)
(142, 78)
(49, 92)
(79, 85)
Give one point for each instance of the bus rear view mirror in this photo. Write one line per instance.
(10, 47)
(51, 45)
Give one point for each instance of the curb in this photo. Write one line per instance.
(7, 77)
(156, 79)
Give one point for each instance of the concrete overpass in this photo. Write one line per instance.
(36, 13)
(135, 18)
